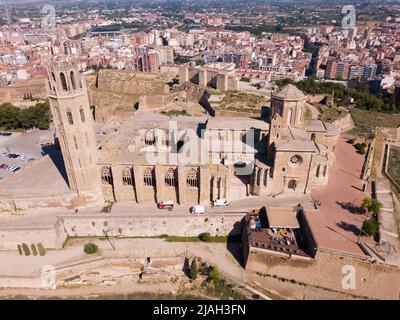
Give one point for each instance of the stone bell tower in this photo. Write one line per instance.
(73, 121)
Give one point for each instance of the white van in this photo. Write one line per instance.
(220, 203)
(197, 209)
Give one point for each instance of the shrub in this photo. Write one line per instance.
(90, 248)
(360, 147)
(33, 248)
(370, 227)
(205, 236)
(43, 124)
(26, 249)
(215, 276)
(372, 205)
(19, 250)
(193, 270)
(41, 249)
(351, 141)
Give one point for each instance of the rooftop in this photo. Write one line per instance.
(290, 92)
(236, 123)
(282, 217)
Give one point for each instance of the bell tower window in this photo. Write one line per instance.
(72, 75)
(63, 82)
(82, 112)
(69, 116)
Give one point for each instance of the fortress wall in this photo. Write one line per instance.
(133, 86)
(53, 237)
(155, 101)
(142, 226)
(20, 282)
(50, 237)
(11, 204)
(345, 123)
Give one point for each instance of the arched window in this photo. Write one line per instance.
(325, 170)
(69, 116)
(127, 179)
(63, 82)
(318, 170)
(292, 184)
(170, 178)
(289, 117)
(54, 77)
(106, 176)
(72, 75)
(313, 137)
(82, 113)
(75, 143)
(149, 178)
(192, 178)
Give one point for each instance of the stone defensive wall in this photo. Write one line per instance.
(54, 236)
(156, 101)
(151, 226)
(346, 123)
(131, 82)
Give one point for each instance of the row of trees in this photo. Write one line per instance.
(370, 226)
(12, 117)
(377, 100)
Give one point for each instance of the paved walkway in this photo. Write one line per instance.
(337, 224)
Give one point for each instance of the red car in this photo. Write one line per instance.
(2, 166)
(169, 205)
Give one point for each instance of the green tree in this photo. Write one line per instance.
(215, 277)
(372, 205)
(205, 237)
(90, 248)
(26, 249)
(33, 248)
(193, 269)
(370, 227)
(41, 249)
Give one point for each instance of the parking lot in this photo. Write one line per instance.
(20, 150)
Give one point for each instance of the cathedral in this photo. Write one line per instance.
(149, 158)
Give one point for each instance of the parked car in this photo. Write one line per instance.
(169, 205)
(197, 210)
(220, 203)
(2, 166)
